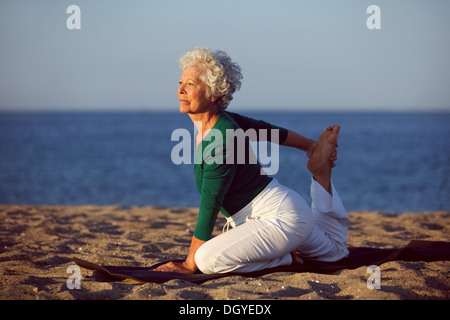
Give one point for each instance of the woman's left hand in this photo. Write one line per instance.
(179, 267)
(333, 156)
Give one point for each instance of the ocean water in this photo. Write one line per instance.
(390, 162)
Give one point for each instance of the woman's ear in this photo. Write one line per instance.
(215, 99)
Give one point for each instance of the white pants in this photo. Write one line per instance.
(277, 222)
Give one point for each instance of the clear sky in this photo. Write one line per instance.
(296, 55)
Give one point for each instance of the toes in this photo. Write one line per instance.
(336, 129)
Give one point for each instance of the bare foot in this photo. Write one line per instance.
(320, 162)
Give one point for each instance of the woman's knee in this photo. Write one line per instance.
(212, 259)
(204, 259)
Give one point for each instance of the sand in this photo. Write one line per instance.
(37, 244)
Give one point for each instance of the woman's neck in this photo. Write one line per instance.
(204, 122)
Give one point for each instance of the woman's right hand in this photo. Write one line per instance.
(179, 267)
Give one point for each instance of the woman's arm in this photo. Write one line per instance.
(190, 260)
(216, 179)
(296, 140)
(288, 137)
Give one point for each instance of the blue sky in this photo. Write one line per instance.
(295, 55)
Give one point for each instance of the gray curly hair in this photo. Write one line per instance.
(221, 75)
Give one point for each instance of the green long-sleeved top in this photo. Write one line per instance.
(225, 182)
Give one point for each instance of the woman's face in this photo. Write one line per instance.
(192, 92)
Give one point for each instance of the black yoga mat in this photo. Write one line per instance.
(416, 250)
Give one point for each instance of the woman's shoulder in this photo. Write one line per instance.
(228, 120)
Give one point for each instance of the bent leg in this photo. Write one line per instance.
(329, 213)
(275, 223)
(253, 246)
(261, 243)
(329, 239)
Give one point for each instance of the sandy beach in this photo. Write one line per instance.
(37, 244)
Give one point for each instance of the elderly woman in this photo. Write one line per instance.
(271, 224)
